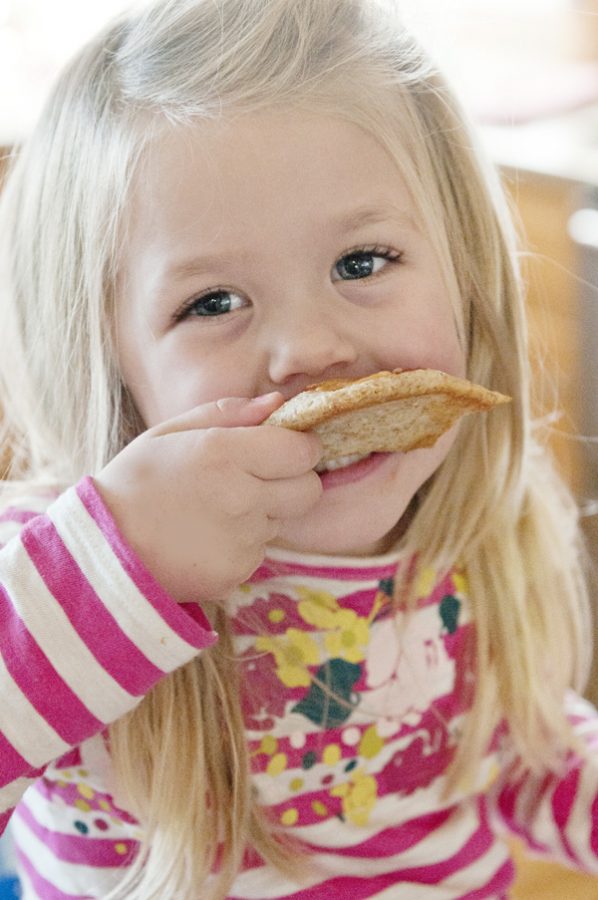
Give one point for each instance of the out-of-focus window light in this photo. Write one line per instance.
(476, 42)
(36, 38)
(512, 59)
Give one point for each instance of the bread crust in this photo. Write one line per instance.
(388, 411)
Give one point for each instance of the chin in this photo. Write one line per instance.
(367, 536)
(366, 516)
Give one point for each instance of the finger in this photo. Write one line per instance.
(271, 452)
(289, 498)
(228, 412)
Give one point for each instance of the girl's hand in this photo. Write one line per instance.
(198, 497)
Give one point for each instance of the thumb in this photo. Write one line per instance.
(228, 412)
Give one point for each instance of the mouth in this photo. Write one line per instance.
(348, 470)
(341, 463)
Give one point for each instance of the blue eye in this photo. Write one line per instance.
(363, 263)
(217, 303)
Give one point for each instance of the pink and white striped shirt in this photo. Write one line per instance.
(352, 712)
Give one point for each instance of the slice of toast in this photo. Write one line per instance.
(385, 412)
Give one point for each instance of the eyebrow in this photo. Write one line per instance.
(196, 265)
(374, 215)
(346, 222)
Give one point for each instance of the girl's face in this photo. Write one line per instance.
(270, 252)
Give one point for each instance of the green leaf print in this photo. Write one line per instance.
(387, 586)
(449, 612)
(331, 701)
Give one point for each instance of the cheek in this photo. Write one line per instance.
(169, 384)
(160, 388)
(420, 332)
(420, 465)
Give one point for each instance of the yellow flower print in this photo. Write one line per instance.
(460, 582)
(426, 579)
(348, 632)
(317, 608)
(358, 797)
(293, 654)
(350, 636)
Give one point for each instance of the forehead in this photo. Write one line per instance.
(286, 163)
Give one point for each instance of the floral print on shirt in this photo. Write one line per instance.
(362, 675)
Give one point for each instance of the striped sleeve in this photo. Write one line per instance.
(556, 815)
(85, 632)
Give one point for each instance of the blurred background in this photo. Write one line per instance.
(527, 73)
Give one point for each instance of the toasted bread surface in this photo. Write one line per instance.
(385, 412)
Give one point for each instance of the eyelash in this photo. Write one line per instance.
(186, 309)
(382, 252)
(378, 250)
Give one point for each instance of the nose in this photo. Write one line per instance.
(307, 342)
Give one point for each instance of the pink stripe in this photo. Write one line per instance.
(72, 758)
(273, 568)
(498, 885)
(12, 764)
(4, 820)
(392, 841)
(54, 790)
(44, 890)
(255, 620)
(20, 516)
(507, 805)
(562, 804)
(445, 709)
(188, 620)
(477, 845)
(79, 849)
(594, 827)
(383, 844)
(96, 627)
(342, 887)
(39, 681)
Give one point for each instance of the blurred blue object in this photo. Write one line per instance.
(9, 889)
(9, 884)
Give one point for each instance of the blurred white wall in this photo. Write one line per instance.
(508, 58)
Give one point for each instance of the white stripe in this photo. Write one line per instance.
(533, 811)
(580, 825)
(48, 624)
(287, 585)
(70, 878)
(28, 732)
(277, 790)
(388, 812)
(411, 891)
(11, 793)
(28, 503)
(441, 844)
(136, 617)
(477, 873)
(25, 886)
(8, 530)
(462, 882)
(389, 809)
(58, 818)
(579, 706)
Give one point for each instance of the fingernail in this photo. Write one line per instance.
(265, 398)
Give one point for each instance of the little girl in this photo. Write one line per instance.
(223, 674)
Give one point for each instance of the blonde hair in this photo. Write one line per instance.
(495, 504)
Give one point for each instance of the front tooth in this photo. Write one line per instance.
(341, 463)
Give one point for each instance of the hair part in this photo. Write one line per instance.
(494, 505)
